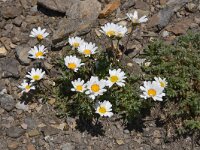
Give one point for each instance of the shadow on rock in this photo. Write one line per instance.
(95, 129)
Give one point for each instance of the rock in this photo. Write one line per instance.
(67, 146)
(9, 68)
(48, 131)
(141, 5)
(157, 141)
(165, 33)
(34, 9)
(128, 4)
(194, 25)
(163, 2)
(80, 16)
(157, 134)
(6, 42)
(33, 133)
(3, 52)
(11, 11)
(180, 27)
(197, 20)
(119, 141)
(191, 7)
(2, 85)
(130, 66)
(162, 18)
(8, 27)
(7, 102)
(30, 122)
(15, 132)
(57, 5)
(32, 19)
(30, 147)
(13, 145)
(24, 4)
(22, 54)
(18, 21)
(109, 8)
(22, 106)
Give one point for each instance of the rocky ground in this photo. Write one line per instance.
(40, 128)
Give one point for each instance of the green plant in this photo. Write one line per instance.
(125, 100)
(180, 65)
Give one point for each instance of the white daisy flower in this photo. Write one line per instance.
(26, 87)
(73, 63)
(134, 18)
(78, 85)
(95, 87)
(39, 33)
(121, 31)
(116, 76)
(37, 52)
(110, 29)
(114, 30)
(87, 49)
(35, 74)
(75, 42)
(162, 82)
(152, 89)
(104, 109)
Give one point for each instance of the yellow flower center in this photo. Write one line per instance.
(40, 37)
(71, 66)
(110, 33)
(27, 87)
(87, 52)
(39, 54)
(95, 88)
(36, 77)
(79, 87)
(162, 84)
(114, 79)
(152, 92)
(75, 44)
(102, 110)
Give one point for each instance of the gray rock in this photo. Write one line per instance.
(67, 146)
(32, 19)
(48, 131)
(30, 122)
(191, 7)
(34, 9)
(9, 68)
(131, 67)
(57, 5)
(6, 42)
(15, 132)
(128, 4)
(165, 34)
(2, 86)
(141, 5)
(22, 54)
(79, 16)
(162, 18)
(18, 21)
(11, 11)
(7, 102)
(24, 4)
(9, 27)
